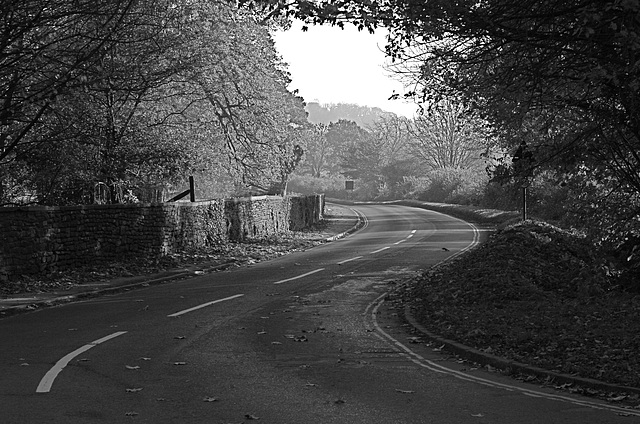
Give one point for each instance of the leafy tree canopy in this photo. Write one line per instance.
(134, 93)
(559, 79)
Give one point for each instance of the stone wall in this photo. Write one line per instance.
(257, 217)
(305, 210)
(37, 240)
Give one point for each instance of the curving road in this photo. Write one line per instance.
(306, 338)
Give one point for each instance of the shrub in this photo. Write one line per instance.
(450, 185)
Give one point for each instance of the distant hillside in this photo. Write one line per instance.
(364, 116)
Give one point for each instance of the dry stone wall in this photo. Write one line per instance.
(36, 240)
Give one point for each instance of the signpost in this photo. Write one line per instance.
(524, 202)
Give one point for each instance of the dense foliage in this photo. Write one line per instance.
(121, 100)
(437, 156)
(558, 80)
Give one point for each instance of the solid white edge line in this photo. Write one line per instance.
(299, 276)
(432, 366)
(379, 250)
(50, 376)
(204, 305)
(361, 217)
(348, 260)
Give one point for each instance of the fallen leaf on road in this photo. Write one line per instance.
(251, 417)
(24, 364)
(405, 391)
(262, 332)
(131, 414)
(132, 367)
(477, 415)
(340, 401)
(210, 399)
(179, 363)
(617, 398)
(134, 390)
(145, 359)
(179, 337)
(276, 343)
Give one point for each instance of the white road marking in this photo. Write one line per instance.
(398, 242)
(204, 305)
(299, 276)
(414, 231)
(409, 236)
(432, 366)
(349, 260)
(379, 250)
(371, 312)
(50, 376)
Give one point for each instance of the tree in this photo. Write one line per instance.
(45, 47)
(243, 79)
(318, 151)
(551, 65)
(344, 136)
(561, 76)
(397, 162)
(168, 88)
(448, 136)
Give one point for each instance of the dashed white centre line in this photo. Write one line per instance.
(299, 276)
(414, 231)
(50, 376)
(401, 241)
(349, 260)
(204, 305)
(379, 250)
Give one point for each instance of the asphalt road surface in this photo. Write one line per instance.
(306, 338)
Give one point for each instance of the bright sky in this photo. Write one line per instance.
(330, 65)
